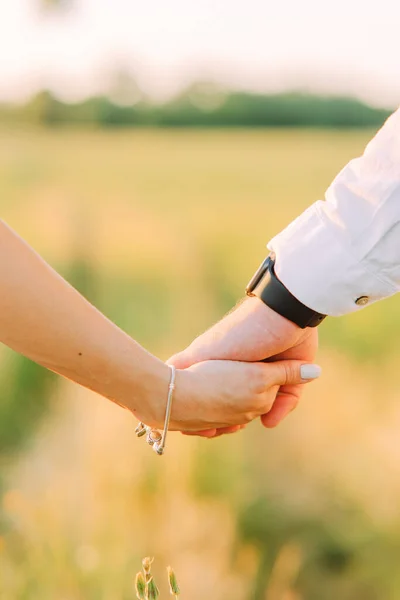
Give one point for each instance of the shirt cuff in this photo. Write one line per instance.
(317, 267)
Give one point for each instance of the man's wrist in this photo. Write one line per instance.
(263, 313)
(266, 328)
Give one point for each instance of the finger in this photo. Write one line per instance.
(227, 430)
(206, 433)
(291, 372)
(211, 433)
(181, 360)
(284, 404)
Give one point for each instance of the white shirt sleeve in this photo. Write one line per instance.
(344, 253)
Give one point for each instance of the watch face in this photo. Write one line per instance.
(258, 275)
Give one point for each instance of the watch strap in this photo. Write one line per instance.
(274, 294)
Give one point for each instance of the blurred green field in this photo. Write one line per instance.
(188, 211)
(162, 230)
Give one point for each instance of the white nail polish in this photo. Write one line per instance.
(310, 371)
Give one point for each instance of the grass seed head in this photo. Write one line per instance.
(152, 590)
(173, 584)
(140, 586)
(147, 562)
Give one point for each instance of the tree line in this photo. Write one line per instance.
(199, 106)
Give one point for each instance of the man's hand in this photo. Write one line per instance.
(254, 332)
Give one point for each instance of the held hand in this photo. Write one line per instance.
(217, 394)
(289, 395)
(253, 332)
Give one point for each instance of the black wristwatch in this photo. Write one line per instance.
(266, 286)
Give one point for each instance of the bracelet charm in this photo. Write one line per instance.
(153, 437)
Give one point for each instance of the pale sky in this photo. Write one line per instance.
(343, 46)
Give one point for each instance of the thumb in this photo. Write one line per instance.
(292, 372)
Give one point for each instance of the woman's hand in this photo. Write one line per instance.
(253, 332)
(218, 393)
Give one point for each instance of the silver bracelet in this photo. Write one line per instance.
(153, 436)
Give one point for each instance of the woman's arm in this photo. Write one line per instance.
(47, 320)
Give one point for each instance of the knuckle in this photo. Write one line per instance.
(259, 405)
(259, 387)
(248, 417)
(267, 405)
(268, 399)
(251, 409)
(288, 371)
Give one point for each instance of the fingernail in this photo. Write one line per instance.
(310, 371)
